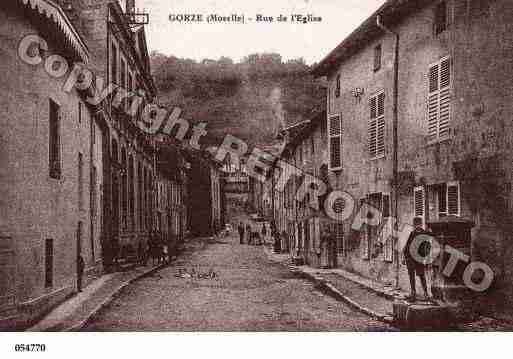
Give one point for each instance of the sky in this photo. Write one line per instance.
(198, 41)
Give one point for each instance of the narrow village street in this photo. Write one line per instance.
(363, 149)
(247, 293)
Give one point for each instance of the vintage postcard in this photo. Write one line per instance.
(254, 167)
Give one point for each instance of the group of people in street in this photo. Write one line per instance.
(156, 249)
(252, 236)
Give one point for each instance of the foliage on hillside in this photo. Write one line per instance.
(252, 99)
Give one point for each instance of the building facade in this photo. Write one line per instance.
(236, 188)
(306, 232)
(417, 105)
(205, 195)
(52, 157)
(120, 56)
(172, 200)
(78, 176)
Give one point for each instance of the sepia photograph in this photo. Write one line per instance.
(254, 170)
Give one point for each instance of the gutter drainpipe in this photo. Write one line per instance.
(395, 185)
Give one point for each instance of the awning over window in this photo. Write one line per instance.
(55, 13)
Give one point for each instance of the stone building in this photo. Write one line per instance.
(78, 177)
(236, 188)
(418, 113)
(255, 197)
(52, 158)
(119, 54)
(206, 202)
(306, 228)
(172, 200)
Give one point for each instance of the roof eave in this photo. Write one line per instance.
(368, 30)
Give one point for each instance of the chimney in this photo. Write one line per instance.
(130, 6)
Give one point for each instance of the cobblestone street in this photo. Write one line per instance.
(219, 285)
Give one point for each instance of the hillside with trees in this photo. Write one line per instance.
(252, 99)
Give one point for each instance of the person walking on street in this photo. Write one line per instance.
(240, 228)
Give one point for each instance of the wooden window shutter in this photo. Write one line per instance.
(419, 199)
(54, 141)
(433, 103)
(377, 57)
(49, 262)
(380, 146)
(335, 142)
(386, 205)
(439, 99)
(453, 198)
(337, 88)
(372, 127)
(442, 200)
(376, 133)
(114, 64)
(445, 98)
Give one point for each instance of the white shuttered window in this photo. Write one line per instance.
(377, 125)
(439, 99)
(335, 141)
(449, 199)
(453, 198)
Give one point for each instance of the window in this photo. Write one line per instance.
(124, 186)
(328, 101)
(377, 126)
(439, 100)
(93, 133)
(453, 198)
(130, 83)
(441, 17)
(80, 182)
(385, 211)
(335, 142)
(123, 74)
(140, 190)
(337, 86)
(93, 200)
(131, 190)
(419, 203)
(449, 199)
(114, 64)
(80, 111)
(377, 57)
(48, 263)
(304, 146)
(54, 141)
